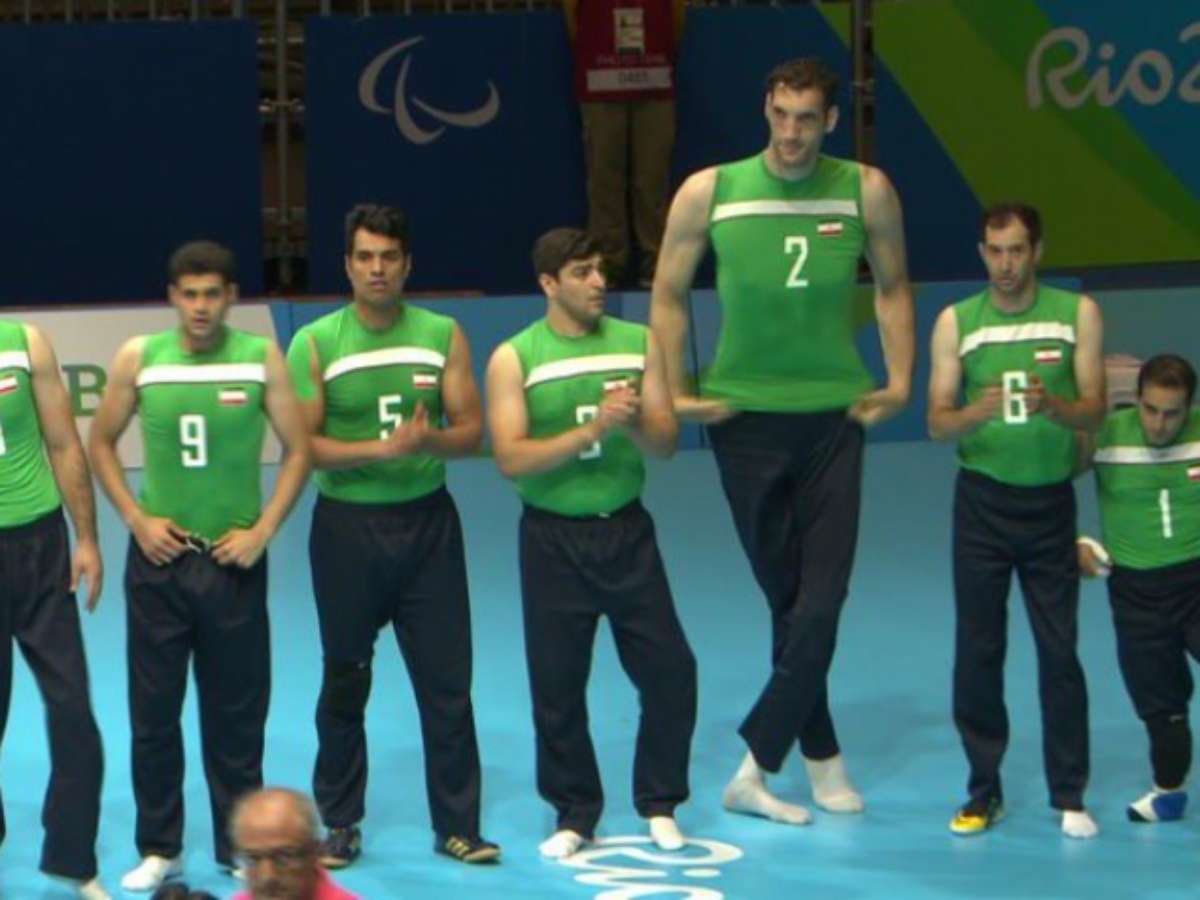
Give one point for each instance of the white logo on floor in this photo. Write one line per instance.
(631, 868)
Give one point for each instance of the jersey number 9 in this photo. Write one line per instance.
(193, 435)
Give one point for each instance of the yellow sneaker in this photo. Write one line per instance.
(975, 818)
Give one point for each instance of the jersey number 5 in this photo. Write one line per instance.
(389, 415)
(194, 436)
(583, 415)
(799, 246)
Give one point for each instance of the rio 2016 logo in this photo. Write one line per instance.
(1149, 79)
(630, 867)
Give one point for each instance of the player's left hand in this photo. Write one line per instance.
(241, 547)
(877, 406)
(87, 566)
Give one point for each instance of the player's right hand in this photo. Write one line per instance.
(1091, 563)
(408, 437)
(161, 540)
(989, 404)
(619, 408)
(702, 410)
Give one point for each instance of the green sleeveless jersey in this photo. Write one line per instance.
(1149, 496)
(27, 487)
(565, 380)
(998, 348)
(372, 382)
(787, 268)
(203, 423)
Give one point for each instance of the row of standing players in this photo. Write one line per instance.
(376, 397)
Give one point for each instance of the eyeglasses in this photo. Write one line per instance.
(279, 857)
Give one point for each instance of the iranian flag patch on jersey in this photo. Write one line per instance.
(232, 397)
(1048, 355)
(424, 380)
(1193, 473)
(8, 385)
(829, 229)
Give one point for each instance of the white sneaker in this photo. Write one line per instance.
(151, 872)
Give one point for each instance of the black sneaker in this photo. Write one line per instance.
(341, 847)
(467, 849)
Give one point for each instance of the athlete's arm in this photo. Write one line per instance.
(331, 453)
(460, 402)
(70, 466)
(242, 547)
(1085, 449)
(885, 254)
(160, 539)
(655, 430)
(508, 421)
(947, 420)
(685, 241)
(1087, 412)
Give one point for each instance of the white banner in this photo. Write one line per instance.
(86, 340)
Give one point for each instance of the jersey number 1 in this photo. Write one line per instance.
(1164, 506)
(3, 445)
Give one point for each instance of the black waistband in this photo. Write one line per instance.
(434, 498)
(630, 508)
(41, 523)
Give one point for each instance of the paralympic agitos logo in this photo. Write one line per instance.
(401, 108)
(1149, 79)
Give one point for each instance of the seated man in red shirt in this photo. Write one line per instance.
(276, 834)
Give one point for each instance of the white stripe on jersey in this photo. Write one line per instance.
(206, 373)
(390, 356)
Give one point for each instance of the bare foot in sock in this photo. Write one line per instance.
(1077, 823)
(665, 833)
(831, 786)
(749, 795)
(561, 844)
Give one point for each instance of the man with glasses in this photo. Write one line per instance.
(277, 838)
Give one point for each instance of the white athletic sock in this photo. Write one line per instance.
(831, 785)
(665, 833)
(561, 844)
(747, 793)
(151, 872)
(1077, 823)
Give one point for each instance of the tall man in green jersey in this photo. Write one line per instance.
(1147, 462)
(574, 401)
(1027, 359)
(42, 466)
(196, 572)
(787, 396)
(388, 396)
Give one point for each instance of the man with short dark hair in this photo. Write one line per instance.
(1147, 462)
(196, 572)
(787, 398)
(574, 401)
(43, 468)
(1027, 358)
(388, 396)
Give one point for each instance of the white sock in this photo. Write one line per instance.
(151, 872)
(831, 785)
(561, 844)
(747, 793)
(91, 889)
(1077, 823)
(665, 833)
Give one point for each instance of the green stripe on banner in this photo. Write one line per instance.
(837, 15)
(1107, 198)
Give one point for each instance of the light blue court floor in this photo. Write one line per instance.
(891, 699)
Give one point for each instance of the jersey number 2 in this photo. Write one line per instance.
(799, 246)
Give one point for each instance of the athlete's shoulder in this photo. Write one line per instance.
(1118, 426)
(624, 330)
(322, 325)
